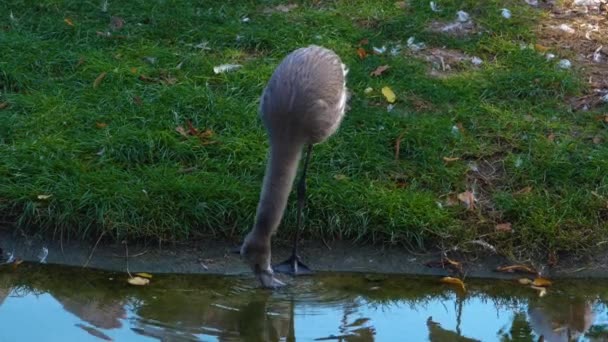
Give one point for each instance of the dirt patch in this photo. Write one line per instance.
(580, 33)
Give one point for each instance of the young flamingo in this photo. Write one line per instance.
(302, 105)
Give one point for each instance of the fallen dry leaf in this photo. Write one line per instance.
(148, 79)
(340, 177)
(398, 145)
(16, 263)
(516, 268)
(138, 281)
(597, 140)
(133, 70)
(446, 262)
(364, 41)
(389, 94)
(168, 80)
(451, 200)
(460, 127)
(379, 70)
(181, 130)
(99, 79)
(551, 137)
(361, 53)
(191, 129)
(68, 21)
(401, 183)
(540, 48)
(450, 159)
(454, 281)
(44, 197)
(456, 264)
(285, 8)
(401, 4)
(116, 23)
(3, 105)
(541, 290)
(144, 275)
(541, 282)
(468, 198)
(504, 227)
(101, 124)
(525, 281)
(523, 191)
(137, 100)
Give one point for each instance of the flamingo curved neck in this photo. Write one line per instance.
(278, 180)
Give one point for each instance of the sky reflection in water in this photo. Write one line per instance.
(48, 303)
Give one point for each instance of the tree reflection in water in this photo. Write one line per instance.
(332, 307)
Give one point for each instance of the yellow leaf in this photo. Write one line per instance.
(144, 275)
(454, 281)
(138, 281)
(99, 79)
(134, 70)
(68, 21)
(44, 197)
(388, 93)
(525, 281)
(101, 124)
(541, 282)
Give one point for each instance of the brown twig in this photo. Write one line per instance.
(92, 251)
(398, 145)
(127, 257)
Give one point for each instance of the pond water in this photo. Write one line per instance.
(52, 303)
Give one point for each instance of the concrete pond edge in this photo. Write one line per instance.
(217, 258)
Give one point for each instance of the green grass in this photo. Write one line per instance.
(126, 179)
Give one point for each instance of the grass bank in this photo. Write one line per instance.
(93, 93)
